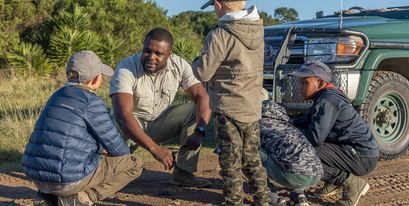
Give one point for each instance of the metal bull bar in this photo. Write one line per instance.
(276, 68)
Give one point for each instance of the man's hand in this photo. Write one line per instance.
(192, 142)
(164, 156)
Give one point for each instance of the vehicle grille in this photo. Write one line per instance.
(272, 46)
(287, 86)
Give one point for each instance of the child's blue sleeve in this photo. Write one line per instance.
(104, 130)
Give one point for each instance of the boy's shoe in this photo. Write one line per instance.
(280, 202)
(328, 189)
(184, 178)
(298, 199)
(43, 199)
(72, 200)
(275, 200)
(353, 188)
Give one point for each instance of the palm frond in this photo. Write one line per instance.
(75, 19)
(93, 43)
(65, 43)
(185, 49)
(113, 50)
(29, 60)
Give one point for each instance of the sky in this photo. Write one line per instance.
(306, 8)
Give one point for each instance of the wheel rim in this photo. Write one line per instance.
(390, 118)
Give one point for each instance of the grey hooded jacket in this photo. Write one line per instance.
(285, 144)
(232, 62)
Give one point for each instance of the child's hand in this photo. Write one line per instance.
(105, 153)
(291, 121)
(174, 159)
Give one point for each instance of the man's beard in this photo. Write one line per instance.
(158, 69)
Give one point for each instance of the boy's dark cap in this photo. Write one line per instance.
(211, 2)
(88, 65)
(314, 69)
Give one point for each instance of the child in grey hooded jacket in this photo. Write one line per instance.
(290, 159)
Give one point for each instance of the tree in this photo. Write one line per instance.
(17, 16)
(199, 22)
(124, 19)
(113, 29)
(283, 14)
(268, 20)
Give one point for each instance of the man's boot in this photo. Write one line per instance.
(353, 187)
(327, 189)
(184, 178)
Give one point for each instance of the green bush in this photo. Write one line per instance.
(17, 17)
(28, 60)
(64, 43)
(185, 49)
(113, 49)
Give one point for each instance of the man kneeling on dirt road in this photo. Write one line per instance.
(142, 90)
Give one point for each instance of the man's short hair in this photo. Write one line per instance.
(160, 34)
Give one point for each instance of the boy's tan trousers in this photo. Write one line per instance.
(112, 174)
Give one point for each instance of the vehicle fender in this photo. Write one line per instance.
(372, 62)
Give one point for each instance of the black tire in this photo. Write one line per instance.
(385, 110)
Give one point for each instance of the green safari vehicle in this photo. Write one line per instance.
(368, 52)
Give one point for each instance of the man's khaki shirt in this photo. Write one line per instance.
(152, 94)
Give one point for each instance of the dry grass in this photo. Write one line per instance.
(20, 105)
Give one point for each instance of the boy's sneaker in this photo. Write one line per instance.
(353, 188)
(328, 189)
(72, 200)
(275, 200)
(298, 199)
(43, 199)
(280, 202)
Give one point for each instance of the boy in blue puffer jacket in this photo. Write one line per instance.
(63, 156)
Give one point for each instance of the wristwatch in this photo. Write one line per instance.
(202, 130)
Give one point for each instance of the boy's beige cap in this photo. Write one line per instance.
(211, 2)
(88, 65)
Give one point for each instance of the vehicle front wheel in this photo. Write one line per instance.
(385, 110)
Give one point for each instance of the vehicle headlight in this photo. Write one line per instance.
(334, 49)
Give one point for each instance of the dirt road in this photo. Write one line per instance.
(389, 186)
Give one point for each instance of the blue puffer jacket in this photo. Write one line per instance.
(69, 137)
